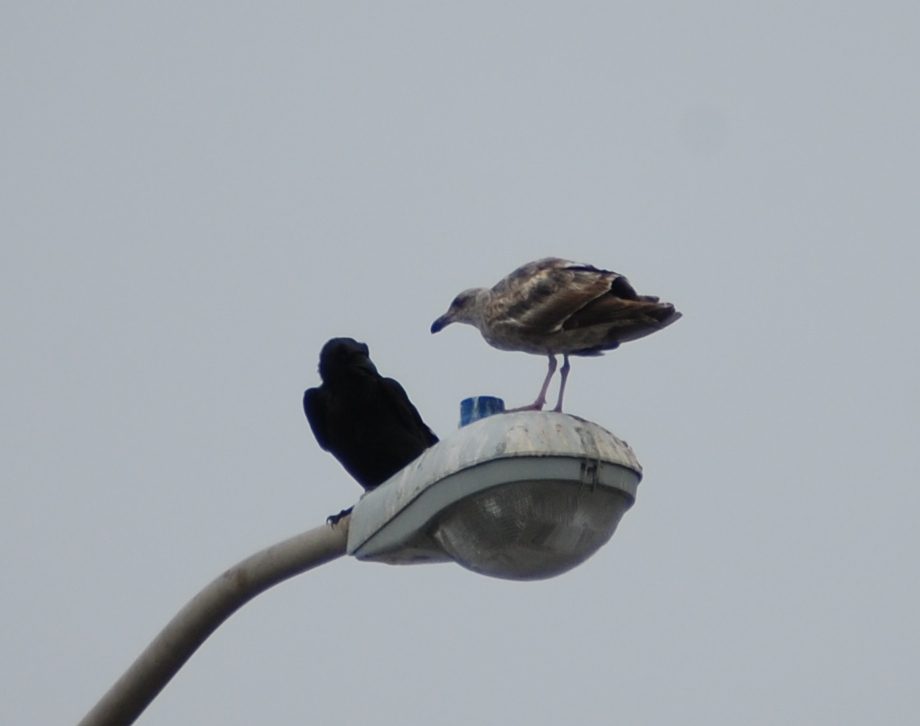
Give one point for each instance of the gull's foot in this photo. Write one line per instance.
(535, 406)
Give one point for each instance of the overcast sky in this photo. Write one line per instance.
(195, 197)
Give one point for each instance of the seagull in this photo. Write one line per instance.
(364, 420)
(553, 306)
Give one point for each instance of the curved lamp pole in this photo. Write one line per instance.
(205, 612)
(520, 496)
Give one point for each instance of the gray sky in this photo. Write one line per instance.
(194, 198)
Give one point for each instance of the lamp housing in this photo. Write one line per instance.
(523, 496)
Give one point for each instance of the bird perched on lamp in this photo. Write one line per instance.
(364, 420)
(554, 306)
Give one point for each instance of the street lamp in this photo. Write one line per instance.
(521, 496)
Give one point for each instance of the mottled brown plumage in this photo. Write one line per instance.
(553, 306)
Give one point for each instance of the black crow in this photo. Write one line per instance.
(364, 420)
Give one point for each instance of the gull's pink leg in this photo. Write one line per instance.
(564, 372)
(538, 404)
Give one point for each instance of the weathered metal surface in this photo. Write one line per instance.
(527, 445)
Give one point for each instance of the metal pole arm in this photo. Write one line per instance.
(204, 613)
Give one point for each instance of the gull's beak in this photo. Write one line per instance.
(441, 322)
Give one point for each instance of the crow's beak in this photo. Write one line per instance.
(441, 322)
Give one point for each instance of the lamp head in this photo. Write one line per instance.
(520, 496)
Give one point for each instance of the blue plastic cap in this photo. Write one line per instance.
(477, 407)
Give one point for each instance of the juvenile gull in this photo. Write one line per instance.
(553, 306)
(364, 420)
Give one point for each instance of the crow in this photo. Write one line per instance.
(364, 420)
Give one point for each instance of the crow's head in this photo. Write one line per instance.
(341, 357)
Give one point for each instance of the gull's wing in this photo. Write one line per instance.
(548, 293)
